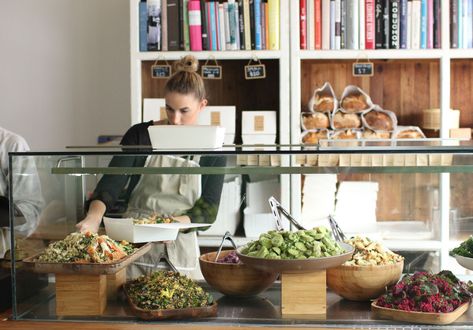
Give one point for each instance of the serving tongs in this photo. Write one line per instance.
(336, 230)
(225, 237)
(276, 209)
(165, 256)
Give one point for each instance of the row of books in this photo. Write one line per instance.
(461, 23)
(370, 24)
(208, 25)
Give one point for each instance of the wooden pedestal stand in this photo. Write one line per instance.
(84, 295)
(304, 293)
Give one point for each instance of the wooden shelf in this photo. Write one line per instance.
(371, 54)
(204, 55)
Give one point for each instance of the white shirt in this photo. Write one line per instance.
(26, 187)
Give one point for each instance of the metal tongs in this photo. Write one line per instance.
(276, 209)
(227, 236)
(165, 256)
(336, 230)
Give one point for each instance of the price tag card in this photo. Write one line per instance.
(256, 71)
(211, 71)
(363, 69)
(159, 71)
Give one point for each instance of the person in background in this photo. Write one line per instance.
(187, 198)
(27, 194)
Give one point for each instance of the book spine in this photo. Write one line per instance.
(263, 27)
(195, 25)
(460, 23)
(468, 27)
(173, 29)
(343, 24)
(310, 18)
(394, 23)
(143, 26)
(213, 25)
(273, 24)
(164, 25)
(437, 24)
(423, 24)
(338, 18)
(221, 26)
(232, 25)
(361, 24)
(226, 13)
(185, 25)
(266, 24)
(205, 27)
(257, 10)
(247, 23)
(154, 25)
(252, 24)
(416, 9)
(403, 24)
(430, 24)
(318, 23)
(241, 24)
(352, 24)
(332, 24)
(409, 24)
(303, 24)
(370, 24)
(386, 24)
(379, 24)
(326, 24)
(453, 23)
(237, 25)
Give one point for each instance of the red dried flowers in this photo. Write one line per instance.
(426, 292)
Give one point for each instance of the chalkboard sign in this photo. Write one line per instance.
(365, 69)
(211, 72)
(160, 71)
(257, 71)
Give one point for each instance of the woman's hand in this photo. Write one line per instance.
(89, 223)
(182, 219)
(94, 217)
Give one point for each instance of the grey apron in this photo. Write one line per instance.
(168, 194)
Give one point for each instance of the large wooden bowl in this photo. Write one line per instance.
(361, 283)
(234, 279)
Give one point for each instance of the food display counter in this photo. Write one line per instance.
(418, 185)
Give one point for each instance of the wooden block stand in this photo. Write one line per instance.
(304, 293)
(84, 295)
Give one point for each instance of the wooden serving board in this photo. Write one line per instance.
(33, 264)
(165, 314)
(417, 317)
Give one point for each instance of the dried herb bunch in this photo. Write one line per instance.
(426, 292)
(167, 290)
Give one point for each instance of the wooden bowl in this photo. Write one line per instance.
(361, 283)
(234, 279)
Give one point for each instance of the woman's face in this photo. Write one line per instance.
(183, 109)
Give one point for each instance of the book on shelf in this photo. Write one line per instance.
(164, 25)
(143, 26)
(263, 22)
(318, 23)
(154, 25)
(220, 26)
(394, 24)
(361, 24)
(205, 27)
(257, 15)
(247, 23)
(379, 24)
(370, 24)
(423, 24)
(252, 23)
(173, 29)
(352, 33)
(416, 24)
(437, 24)
(195, 25)
(326, 24)
(337, 24)
(403, 24)
(386, 25)
(409, 25)
(236, 21)
(273, 24)
(430, 24)
(241, 25)
(454, 23)
(332, 24)
(184, 27)
(303, 24)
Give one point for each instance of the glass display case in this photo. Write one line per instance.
(412, 196)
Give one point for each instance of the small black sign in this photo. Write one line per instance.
(160, 71)
(211, 72)
(363, 69)
(257, 71)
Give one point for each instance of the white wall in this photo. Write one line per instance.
(64, 70)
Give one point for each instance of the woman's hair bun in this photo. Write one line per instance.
(187, 63)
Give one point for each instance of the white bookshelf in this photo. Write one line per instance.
(444, 55)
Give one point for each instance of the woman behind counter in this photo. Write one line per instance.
(176, 195)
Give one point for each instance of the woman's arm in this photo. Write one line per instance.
(206, 208)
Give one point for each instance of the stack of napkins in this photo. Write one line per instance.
(355, 210)
(318, 199)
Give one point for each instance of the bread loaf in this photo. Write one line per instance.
(378, 121)
(315, 120)
(345, 135)
(314, 137)
(346, 120)
(323, 103)
(409, 134)
(370, 134)
(354, 103)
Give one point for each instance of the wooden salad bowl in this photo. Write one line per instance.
(238, 280)
(361, 283)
